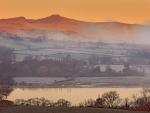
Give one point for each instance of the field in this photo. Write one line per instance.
(19, 109)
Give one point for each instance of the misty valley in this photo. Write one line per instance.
(54, 61)
(74, 61)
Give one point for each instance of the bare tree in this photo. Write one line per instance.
(126, 103)
(2, 97)
(111, 99)
(87, 103)
(63, 103)
(99, 102)
(146, 94)
(20, 102)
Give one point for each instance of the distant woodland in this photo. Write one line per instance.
(64, 67)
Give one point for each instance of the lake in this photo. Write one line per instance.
(75, 95)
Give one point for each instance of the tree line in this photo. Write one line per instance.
(109, 100)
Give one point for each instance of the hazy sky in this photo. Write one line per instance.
(131, 11)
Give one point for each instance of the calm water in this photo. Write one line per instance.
(75, 95)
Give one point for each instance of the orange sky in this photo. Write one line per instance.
(131, 11)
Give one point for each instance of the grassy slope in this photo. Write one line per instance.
(20, 109)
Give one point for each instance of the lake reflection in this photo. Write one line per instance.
(75, 95)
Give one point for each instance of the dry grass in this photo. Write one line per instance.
(20, 109)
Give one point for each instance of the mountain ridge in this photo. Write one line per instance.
(59, 17)
(74, 29)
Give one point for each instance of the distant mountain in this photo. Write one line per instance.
(59, 27)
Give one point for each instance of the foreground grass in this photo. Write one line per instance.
(20, 109)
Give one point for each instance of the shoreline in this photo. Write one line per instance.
(83, 82)
(79, 86)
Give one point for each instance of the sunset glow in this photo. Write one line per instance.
(129, 11)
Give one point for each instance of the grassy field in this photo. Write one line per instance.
(19, 109)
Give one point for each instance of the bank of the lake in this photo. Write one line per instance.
(79, 82)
